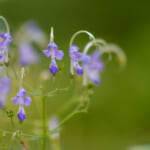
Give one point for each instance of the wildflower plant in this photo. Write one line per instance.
(88, 65)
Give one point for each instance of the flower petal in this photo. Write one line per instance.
(22, 92)
(28, 54)
(47, 53)
(27, 101)
(52, 46)
(5, 40)
(74, 54)
(74, 48)
(53, 67)
(93, 75)
(77, 56)
(59, 54)
(78, 68)
(21, 113)
(2, 100)
(86, 59)
(5, 85)
(1, 103)
(16, 100)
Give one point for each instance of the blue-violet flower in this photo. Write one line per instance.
(53, 52)
(34, 32)
(28, 55)
(93, 67)
(5, 40)
(77, 57)
(21, 99)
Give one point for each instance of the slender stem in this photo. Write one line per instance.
(119, 52)
(22, 75)
(71, 42)
(52, 35)
(6, 23)
(14, 71)
(44, 123)
(95, 42)
(76, 111)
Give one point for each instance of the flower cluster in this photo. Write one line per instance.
(92, 64)
(88, 65)
(21, 99)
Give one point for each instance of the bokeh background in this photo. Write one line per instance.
(119, 112)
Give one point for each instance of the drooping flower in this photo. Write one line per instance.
(5, 85)
(21, 99)
(28, 55)
(93, 67)
(35, 32)
(5, 40)
(30, 32)
(53, 52)
(77, 57)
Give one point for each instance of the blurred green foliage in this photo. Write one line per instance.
(119, 110)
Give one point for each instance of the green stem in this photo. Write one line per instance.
(44, 123)
(75, 112)
(12, 123)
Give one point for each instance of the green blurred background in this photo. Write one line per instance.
(119, 113)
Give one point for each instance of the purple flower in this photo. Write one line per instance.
(5, 85)
(27, 54)
(53, 52)
(5, 40)
(34, 32)
(2, 55)
(93, 67)
(77, 57)
(21, 99)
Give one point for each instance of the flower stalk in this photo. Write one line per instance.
(6, 23)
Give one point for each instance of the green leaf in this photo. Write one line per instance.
(34, 93)
(49, 95)
(56, 130)
(35, 138)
